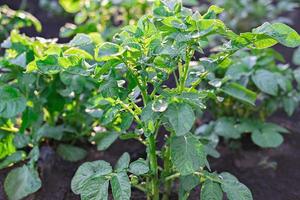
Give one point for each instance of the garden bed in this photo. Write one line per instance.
(269, 173)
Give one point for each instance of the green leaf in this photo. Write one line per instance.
(20, 182)
(280, 32)
(106, 51)
(34, 154)
(87, 171)
(290, 104)
(54, 132)
(49, 65)
(212, 12)
(211, 191)
(296, 56)
(6, 145)
(78, 52)
(240, 92)
(71, 153)
(80, 40)
(12, 102)
(13, 158)
(105, 139)
(266, 81)
(20, 60)
(267, 138)
(148, 114)
(181, 116)
(21, 140)
(139, 167)
(95, 189)
(226, 127)
(71, 6)
(123, 162)
(175, 22)
(234, 189)
(120, 186)
(187, 154)
(187, 183)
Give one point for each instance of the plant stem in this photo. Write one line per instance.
(141, 188)
(184, 70)
(173, 176)
(167, 172)
(154, 185)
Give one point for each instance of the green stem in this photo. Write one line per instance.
(127, 107)
(141, 188)
(142, 88)
(183, 70)
(167, 172)
(154, 185)
(173, 176)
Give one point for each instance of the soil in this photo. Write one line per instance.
(271, 174)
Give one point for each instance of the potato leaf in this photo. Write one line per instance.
(187, 154)
(21, 181)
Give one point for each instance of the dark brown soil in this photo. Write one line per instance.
(271, 174)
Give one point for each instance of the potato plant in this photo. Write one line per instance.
(261, 72)
(11, 19)
(106, 17)
(244, 15)
(99, 91)
(44, 86)
(132, 72)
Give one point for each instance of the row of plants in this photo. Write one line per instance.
(91, 90)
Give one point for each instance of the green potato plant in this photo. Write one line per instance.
(11, 19)
(106, 17)
(43, 88)
(101, 16)
(247, 14)
(132, 72)
(99, 91)
(259, 71)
